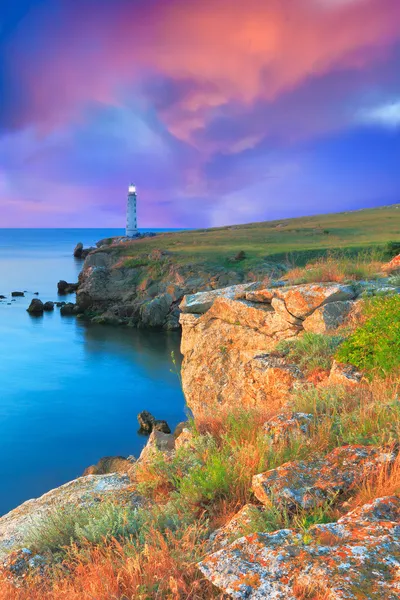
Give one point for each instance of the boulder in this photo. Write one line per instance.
(242, 523)
(185, 439)
(357, 557)
(68, 309)
(64, 287)
(202, 301)
(48, 306)
(2, 297)
(148, 423)
(327, 317)
(17, 294)
(342, 374)
(288, 425)
(154, 313)
(36, 307)
(307, 484)
(279, 307)
(15, 525)
(78, 250)
(161, 425)
(157, 442)
(302, 300)
(110, 464)
(180, 427)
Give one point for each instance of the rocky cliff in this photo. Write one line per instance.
(145, 290)
(229, 340)
(229, 349)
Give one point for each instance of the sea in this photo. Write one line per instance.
(70, 391)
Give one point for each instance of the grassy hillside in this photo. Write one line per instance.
(293, 240)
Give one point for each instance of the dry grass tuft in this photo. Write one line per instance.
(336, 268)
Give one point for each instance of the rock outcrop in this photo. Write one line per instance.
(111, 464)
(357, 557)
(15, 525)
(146, 290)
(148, 423)
(393, 266)
(81, 252)
(307, 484)
(64, 287)
(229, 350)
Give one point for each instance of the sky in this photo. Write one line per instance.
(220, 111)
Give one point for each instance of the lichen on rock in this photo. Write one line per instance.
(357, 557)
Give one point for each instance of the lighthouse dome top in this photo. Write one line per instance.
(132, 189)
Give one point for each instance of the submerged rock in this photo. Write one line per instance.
(17, 294)
(36, 307)
(64, 287)
(78, 250)
(148, 423)
(68, 309)
(48, 306)
(357, 555)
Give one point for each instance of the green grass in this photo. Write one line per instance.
(311, 350)
(289, 241)
(96, 524)
(375, 345)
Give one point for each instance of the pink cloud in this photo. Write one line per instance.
(231, 52)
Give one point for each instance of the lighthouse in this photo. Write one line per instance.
(131, 219)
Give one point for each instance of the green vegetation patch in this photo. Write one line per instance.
(375, 345)
(255, 246)
(311, 350)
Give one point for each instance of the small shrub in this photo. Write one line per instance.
(375, 345)
(394, 280)
(72, 524)
(311, 351)
(392, 249)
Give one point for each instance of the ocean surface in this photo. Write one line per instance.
(69, 391)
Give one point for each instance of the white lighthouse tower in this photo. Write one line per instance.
(131, 218)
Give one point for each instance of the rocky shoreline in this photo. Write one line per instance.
(236, 347)
(146, 291)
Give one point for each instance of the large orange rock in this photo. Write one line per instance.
(307, 484)
(227, 355)
(302, 300)
(357, 557)
(229, 349)
(393, 266)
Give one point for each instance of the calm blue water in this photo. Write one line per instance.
(69, 391)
